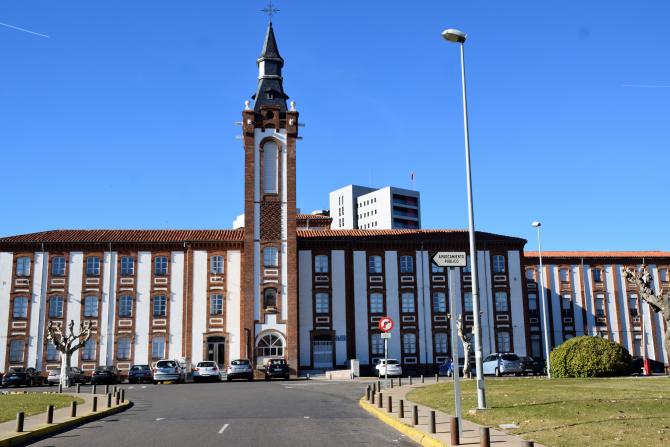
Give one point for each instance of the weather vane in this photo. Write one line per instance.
(270, 10)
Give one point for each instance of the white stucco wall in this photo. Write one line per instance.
(305, 304)
(6, 263)
(199, 311)
(516, 302)
(175, 338)
(392, 304)
(143, 308)
(339, 306)
(361, 307)
(233, 300)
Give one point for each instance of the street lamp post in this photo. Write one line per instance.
(545, 317)
(456, 36)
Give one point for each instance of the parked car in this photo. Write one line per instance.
(169, 371)
(20, 376)
(637, 366)
(391, 365)
(240, 369)
(140, 374)
(276, 368)
(499, 364)
(206, 371)
(75, 375)
(105, 375)
(532, 366)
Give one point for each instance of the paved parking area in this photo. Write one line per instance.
(278, 413)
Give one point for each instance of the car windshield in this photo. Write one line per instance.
(54, 371)
(393, 362)
(166, 364)
(239, 362)
(206, 365)
(16, 369)
(103, 369)
(509, 357)
(140, 368)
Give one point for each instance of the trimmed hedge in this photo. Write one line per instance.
(590, 357)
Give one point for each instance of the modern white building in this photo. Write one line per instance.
(359, 207)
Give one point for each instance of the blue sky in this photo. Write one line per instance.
(123, 117)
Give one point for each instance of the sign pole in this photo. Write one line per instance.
(454, 350)
(386, 363)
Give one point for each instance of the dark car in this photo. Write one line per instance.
(19, 376)
(446, 368)
(105, 374)
(637, 366)
(140, 374)
(532, 366)
(277, 368)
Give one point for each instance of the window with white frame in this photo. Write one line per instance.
(408, 302)
(20, 307)
(377, 344)
(406, 264)
(53, 355)
(91, 306)
(58, 266)
(498, 264)
(216, 265)
(597, 275)
(600, 305)
(123, 348)
(270, 257)
(158, 348)
(56, 307)
(564, 274)
(467, 302)
(92, 266)
(663, 275)
(436, 268)
(633, 306)
(88, 352)
(270, 167)
(321, 264)
(439, 302)
(409, 343)
(504, 342)
(321, 303)
(160, 306)
(126, 306)
(270, 345)
(530, 274)
(160, 265)
(532, 302)
(270, 298)
(502, 304)
(441, 343)
(376, 303)
(216, 304)
(23, 266)
(16, 348)
(536, 346)
(375, 264)
(566, 300)
(127, 265)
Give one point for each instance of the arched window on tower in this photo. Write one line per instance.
(270, 164)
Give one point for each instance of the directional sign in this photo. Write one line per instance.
(385, 324)
(450, 259)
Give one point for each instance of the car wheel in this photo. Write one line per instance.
(251, 378)
(497, 372)
(51, 384)
(267, 378)
(287, 377)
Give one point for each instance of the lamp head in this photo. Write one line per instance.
(537, 224)
(454, 35)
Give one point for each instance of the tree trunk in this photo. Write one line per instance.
(64, 369)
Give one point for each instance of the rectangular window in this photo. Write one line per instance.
(23, 266)
(270, 163)
(270, 257)
(467, 302)
(441, 343)
(501, 302)
(375, 264)
(216, 304)
(565, 275)
(498, 264)
(536, 346)
(52, 353)
(436, 268)
(16, 348)
(600, 306)
(56, 307)
(216, 265)
(408, 302)
(127, 265)
(597, 275)
(663, 275)
(91, 306)
(123, 349)
(632, 305)
(466, 269)
(126, 306)
(321, 303)
(376, 303)
(532, 302)
(321, 264)
(504, 342)
(439, 302)
(58, 266)
(20, 307)
(89, 350)
(406, 264)
(409, 343)
(92, 266)
(377, 344)
(160, 265)
(160, 306)
(158, 348)
(565, 302)
(530, 274)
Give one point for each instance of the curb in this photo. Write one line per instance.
(50, 429)
(414, 434)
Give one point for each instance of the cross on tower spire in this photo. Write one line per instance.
(270, 10)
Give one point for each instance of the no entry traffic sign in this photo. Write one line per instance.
(385, 324)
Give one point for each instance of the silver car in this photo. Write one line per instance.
(240, 369)
(206, 371)
(499, 364)
(169, 371)
(75, 375)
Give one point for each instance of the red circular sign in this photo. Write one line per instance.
(385, 324)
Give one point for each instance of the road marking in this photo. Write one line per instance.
(225, 426)
(305, 417)
(159, 419)
(143, 386)
(288, 387)
(131, 387)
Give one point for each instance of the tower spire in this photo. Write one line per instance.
(270, 90)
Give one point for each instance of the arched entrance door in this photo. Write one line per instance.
(216, 350)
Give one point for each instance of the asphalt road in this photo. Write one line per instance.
(273, 414)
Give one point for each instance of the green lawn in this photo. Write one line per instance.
(31, 403)
(567, 412)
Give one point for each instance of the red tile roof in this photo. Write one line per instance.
(404, 234)
(98, 236)
(599, 254)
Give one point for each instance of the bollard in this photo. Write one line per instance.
(106, 389)
(527, 444)
(455, 436)
(415, 415)
(50, 414)
(399, 381)
(484, 437)
(379, 385)
(367, 393)
(390, 405)
(95, 404)
(372, 398)
(307, 376)
(94, 389)
(19, 421)
(391, 383)
(374, 388)
(380, 402)
(422, 380)
(118, 398)
(73, 409)
(402, 409)
(431, 421)
(437, 378)
(109, 400)
(116, 389)
(123, 395)
(60, 388)
(410, 380)
(78, 388)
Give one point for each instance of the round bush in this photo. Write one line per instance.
(590, 357)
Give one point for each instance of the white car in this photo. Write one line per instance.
(393, 367)
(206, 371)
(169, 371)
(240, 369)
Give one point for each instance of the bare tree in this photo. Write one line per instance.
(658, 301)
(67, 345)
(466, 340)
